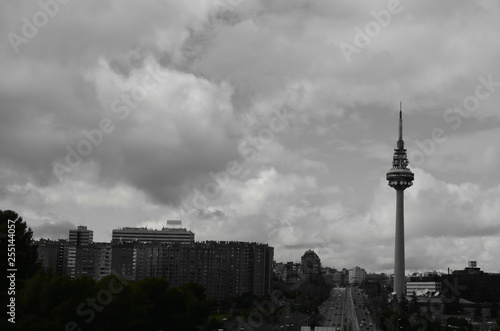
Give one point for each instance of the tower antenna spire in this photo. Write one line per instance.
(400, 120)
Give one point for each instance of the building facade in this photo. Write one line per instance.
(81, 236)
(310, 266)
(223, 268)
(51, 255)
(166, 235)
(423, 287)
(357, 275)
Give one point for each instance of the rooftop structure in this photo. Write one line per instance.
(81, 236)
(165, 235)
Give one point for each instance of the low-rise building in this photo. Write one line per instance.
(420, 288)
(356, 275)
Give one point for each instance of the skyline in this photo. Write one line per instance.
(116, 114)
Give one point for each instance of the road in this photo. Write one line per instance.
(333, 308)
(363, 318)
(345, 310)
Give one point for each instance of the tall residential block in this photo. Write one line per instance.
(81, 236)
(51, 254)
(223, 268)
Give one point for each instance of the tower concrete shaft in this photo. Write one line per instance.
(400, 178)
(399, 247)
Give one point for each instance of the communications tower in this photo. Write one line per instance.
(400, 178)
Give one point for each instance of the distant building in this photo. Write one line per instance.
(472, 269)
(430, 276)
(81, 236)
(433, 273)
(310, 265)
(292, 273)
(476, 285)
(420, 288)
(92, 260)
(356, 275)
(62, 258)
(165, 235)
(124, 260)
(51, 254)
(333, 276)
(279, 271)
(102, 262)
(338, 278)
(223, 268)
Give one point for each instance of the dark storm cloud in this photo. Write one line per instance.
(53, 97)
(321, 181)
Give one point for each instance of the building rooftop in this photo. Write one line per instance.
(151, 230)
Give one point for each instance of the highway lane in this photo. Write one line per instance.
(333, 308)
(346, 309)
(363, 316)
(350, 313)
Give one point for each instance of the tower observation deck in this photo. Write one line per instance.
(400, 178)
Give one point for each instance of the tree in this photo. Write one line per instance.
(452, 305)
(428, 310)
(478, 312)
(403, 304)
(494, 309)
(214, 323)
(414, 307)
(16, 240)
(26, 253)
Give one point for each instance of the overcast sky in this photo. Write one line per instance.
(268, 121)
